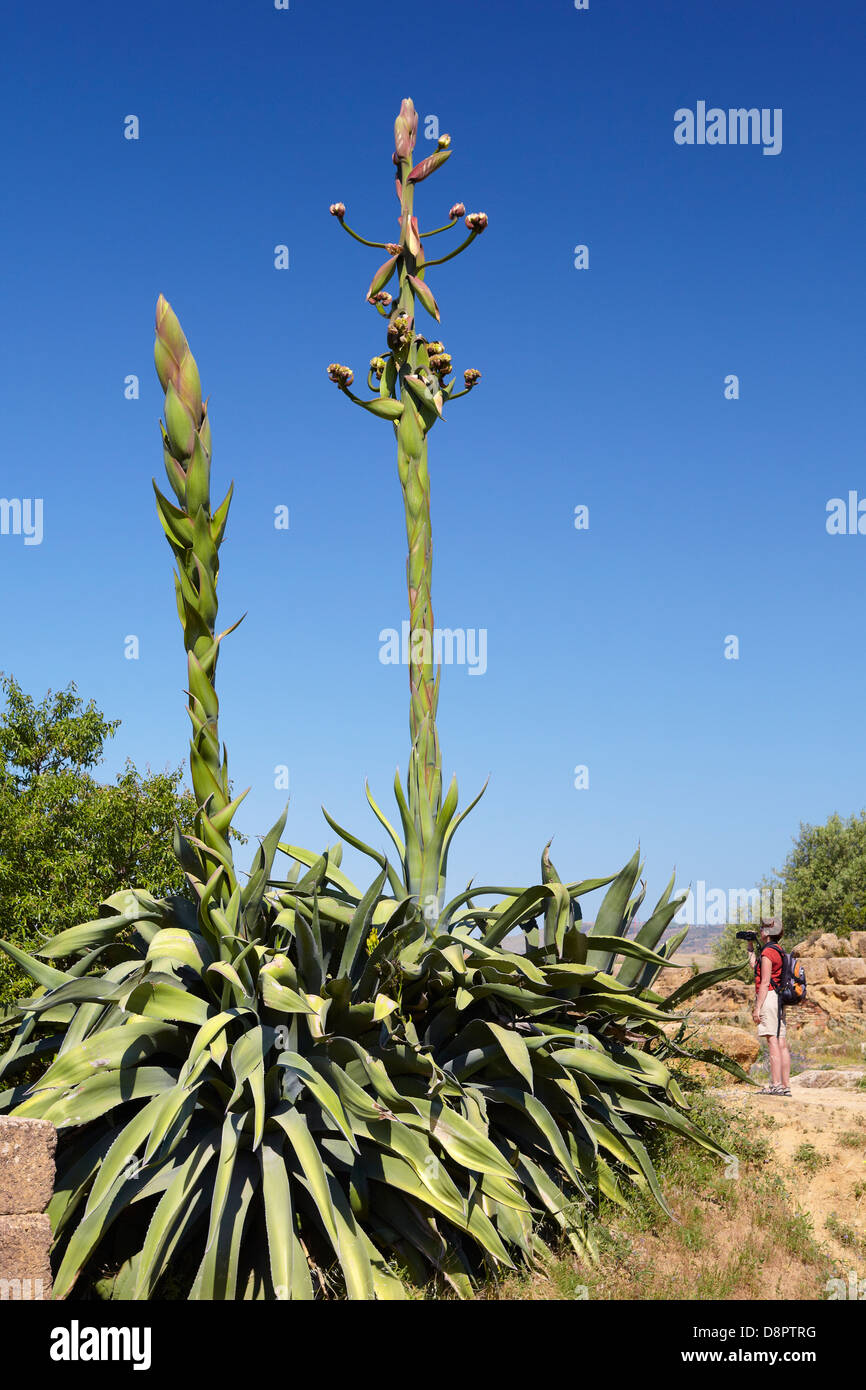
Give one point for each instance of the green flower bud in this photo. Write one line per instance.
(179, 423)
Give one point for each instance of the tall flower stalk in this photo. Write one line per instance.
(415, 379)
(195, 534)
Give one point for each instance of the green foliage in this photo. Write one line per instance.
(821, 887)
(66, 840)
(823, 880)
(809, 1158)
(254, 1104)
(727, 950)
(846, 1235)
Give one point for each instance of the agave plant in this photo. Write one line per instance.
(292, 1087)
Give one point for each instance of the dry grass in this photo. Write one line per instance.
(737, 1237)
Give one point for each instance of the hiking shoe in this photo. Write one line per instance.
(784, 1090)
(772, 1091)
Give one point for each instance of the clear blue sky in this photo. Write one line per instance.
(601, 387)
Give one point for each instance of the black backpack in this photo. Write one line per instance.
(792, 981)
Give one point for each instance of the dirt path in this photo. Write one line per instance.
(831, 1182)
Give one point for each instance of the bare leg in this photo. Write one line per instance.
(775, 1061)
(786, 1062)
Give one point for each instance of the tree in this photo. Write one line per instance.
(66, 840)
(823, 880)
(822, 885)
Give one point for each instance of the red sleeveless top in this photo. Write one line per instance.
(776, 967)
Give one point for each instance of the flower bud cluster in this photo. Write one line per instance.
(340, 375)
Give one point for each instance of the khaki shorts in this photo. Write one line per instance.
(767, 1028)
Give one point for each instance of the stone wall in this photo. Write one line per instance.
(835, 978)
(836, 974)
(26, 1185)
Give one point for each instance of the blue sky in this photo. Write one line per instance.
(602, 387)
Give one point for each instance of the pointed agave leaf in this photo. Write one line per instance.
(332, 872)
(176, 944)
(290, 1273)
(321, 1090)
(359, 928)
(383, 820)
(652, 931)
(515, 1049)
(228, 973)
(624, 946)
(97, 1095)
(560, 1208)
(310, 1159)
(541, 1118)
(463, 1141)
(92, 989)
(280, 997)
(248, 1068)
(253, 893)
(455, 825)
(181, 1206)
(73, 1181)
(395, 1172)
(125, 1045)
(44, 975)
(89, 1232)
(213, 1272)
(703, 981)
(206, 1036)
(311, 968)
(217, 1277)
(611, 919)
(167, 1002)
(121, 1155)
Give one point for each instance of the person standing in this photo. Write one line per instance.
(769, 1013)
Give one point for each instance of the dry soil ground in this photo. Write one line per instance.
(819, 1143)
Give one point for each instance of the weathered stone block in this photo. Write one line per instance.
(26, 1165)
(816, 970)
(839, 1000)
(25, 1267)
(830, 945)
(848, 1078)
(847, 970)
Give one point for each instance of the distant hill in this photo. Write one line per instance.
(700, 940)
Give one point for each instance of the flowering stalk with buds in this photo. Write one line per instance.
(195, 533)
(413, 381)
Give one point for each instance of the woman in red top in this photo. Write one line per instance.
(768, 973)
